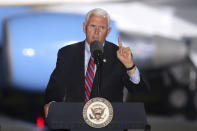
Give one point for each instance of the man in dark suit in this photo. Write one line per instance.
(67, 82)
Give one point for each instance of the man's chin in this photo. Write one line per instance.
(96, 40)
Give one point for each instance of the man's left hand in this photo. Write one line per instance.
(125, 56)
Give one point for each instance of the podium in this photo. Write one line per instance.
(69, 116)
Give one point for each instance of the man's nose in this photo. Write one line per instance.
(97, 29)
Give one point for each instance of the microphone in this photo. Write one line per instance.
(96, 49)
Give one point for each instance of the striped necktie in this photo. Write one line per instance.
(89, 78)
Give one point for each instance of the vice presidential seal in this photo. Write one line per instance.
(98, 112)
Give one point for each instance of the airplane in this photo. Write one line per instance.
(32, 35)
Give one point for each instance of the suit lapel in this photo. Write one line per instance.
(108, 59)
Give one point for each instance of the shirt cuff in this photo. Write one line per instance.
(135, 77)
(51, 102)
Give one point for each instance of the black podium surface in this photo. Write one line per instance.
(69, 116)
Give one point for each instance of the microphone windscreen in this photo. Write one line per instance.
(96, 46)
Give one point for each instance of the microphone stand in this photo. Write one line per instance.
(99, 62)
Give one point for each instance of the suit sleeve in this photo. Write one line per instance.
(141, 88)
(54, 91)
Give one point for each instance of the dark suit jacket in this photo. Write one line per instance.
(67, 79)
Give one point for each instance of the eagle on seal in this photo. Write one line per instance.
(98, 113)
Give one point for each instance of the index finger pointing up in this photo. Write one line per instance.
(119, 42)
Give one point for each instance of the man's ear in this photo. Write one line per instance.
(84, 27)
(108, 30)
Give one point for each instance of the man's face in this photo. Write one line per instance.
(96, 28)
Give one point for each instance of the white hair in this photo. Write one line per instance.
(98, 11)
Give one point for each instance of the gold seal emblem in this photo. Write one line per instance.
(98, 112)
